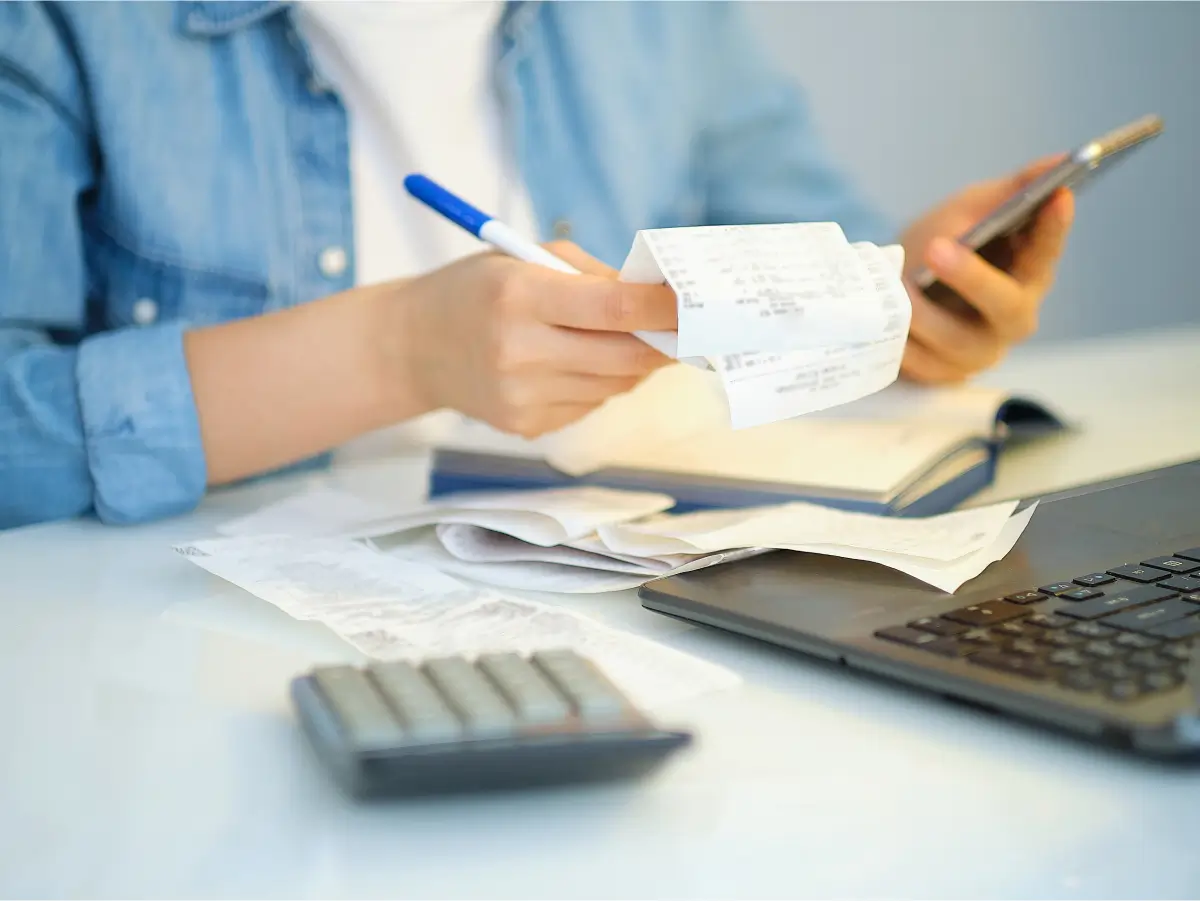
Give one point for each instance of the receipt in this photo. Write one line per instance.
(391, 608)
(763, 388)
(789, 526)
(760, 288)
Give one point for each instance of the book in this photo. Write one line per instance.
(907, 450)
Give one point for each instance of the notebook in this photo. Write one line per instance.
(906, 450)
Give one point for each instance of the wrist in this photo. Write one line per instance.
(394, 335)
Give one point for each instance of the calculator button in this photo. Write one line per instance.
(1080, 680)
(1092, 630)
(364, 717)
(1173, 565)
(904, 635)
(591, 693)
(534, 698)
(1010, 663)
(425, 714)
(1190, 554)
(1125, 690)
(1137, 573)
(1048, 621)
(484, 711)
(1135, 641)
(1081, 594)
(1181, 583)
(1161, 680)
(1093, 579)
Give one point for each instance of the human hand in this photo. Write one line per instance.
(522, 347)
(1005, 293)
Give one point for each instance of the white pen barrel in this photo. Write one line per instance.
(500, 235)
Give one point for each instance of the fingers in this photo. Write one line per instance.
(965, 346)
(1042, 247)
(602, 304)
(1005, 305)
(580, 259)
(922, 365)
(602, 353)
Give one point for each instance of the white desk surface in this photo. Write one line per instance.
(147, 747)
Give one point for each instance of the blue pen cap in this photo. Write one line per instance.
(453, 208)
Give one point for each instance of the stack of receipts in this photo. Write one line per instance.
(793, 318)
(592, 539)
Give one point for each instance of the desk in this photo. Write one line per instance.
(148, 748)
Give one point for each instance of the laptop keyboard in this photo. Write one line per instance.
(1126, 632)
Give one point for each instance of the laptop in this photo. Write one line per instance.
(1091, 624)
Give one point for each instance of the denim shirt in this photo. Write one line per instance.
(167, 166)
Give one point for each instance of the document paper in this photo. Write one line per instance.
(391, 608)
(793, 318)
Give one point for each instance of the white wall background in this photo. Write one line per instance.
(918, 98)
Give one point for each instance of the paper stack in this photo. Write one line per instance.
(590, 539)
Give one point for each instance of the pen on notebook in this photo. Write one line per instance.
(481, 225)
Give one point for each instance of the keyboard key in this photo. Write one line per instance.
(1093, 579)
(1057, 588)
(1181, 628)
(938, 626)
(1061, 639)
(590, 691)
(1117, 600)
(1172, 564)
(1148, 660)
(1143, 619)
(1017, 630)
(1091, 630)
(904, 635)
(1105, 650)
(534, 698)
(1135, 641)
(1115, 670)
(1161, 680)
(1193, 598)
(1182, 652)
(1080, 680)
(1190, 554)
(1066, 657)
(363, 716)
(1025, 647)
(424, 712)
(981, 637)
(988, 613)
(1026, 597)
(1019, 666)
(484, 712)
(1126, 690)
(1048, 621)
(1137, 573)
(1081, 594)
(1181, 583)
(951, 647)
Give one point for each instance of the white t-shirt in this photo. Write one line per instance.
(415, 78)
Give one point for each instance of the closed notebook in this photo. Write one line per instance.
(907, 450)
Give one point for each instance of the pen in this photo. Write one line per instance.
(481, 225)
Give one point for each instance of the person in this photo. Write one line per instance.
(208, 270)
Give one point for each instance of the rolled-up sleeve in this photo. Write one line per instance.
(102, 423)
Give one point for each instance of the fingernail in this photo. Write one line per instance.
(944, 254)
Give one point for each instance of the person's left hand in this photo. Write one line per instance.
(946, 347)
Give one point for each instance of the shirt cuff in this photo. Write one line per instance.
(140, 425)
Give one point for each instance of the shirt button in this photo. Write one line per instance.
(332, 261)
(145, 311)
(562, 229)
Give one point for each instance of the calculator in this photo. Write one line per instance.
(459, 724)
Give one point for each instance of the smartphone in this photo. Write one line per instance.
(990, 236)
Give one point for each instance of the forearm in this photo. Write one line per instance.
(275, 389)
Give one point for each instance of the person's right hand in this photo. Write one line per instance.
(522, 347)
